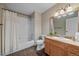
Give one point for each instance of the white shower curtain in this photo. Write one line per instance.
(9, 43)
(16, 31)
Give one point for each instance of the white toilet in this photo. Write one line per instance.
(40, 43)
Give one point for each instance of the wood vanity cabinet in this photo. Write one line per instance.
(57, 48)
(54, 48)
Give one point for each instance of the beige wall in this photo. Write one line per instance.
(49, 13)
(36, 25)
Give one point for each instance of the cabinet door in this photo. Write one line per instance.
(57, 48)
(47, 46)
(73, 50)
(57, 51)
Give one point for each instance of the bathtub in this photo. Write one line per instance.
(27, 45)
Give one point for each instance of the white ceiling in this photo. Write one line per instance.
(29, 8)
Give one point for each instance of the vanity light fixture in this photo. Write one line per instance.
(64, 11)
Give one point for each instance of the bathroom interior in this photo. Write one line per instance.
(53, 32)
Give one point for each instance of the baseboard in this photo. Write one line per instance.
(27, 45)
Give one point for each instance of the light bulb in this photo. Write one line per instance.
(62, 11)
(56, 14)
(69, 9)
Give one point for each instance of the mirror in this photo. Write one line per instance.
(64, 25)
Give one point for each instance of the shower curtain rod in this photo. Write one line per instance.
(15, 11)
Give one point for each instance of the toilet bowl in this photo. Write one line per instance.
(40, 43)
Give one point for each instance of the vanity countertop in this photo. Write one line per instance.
(62, 39)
